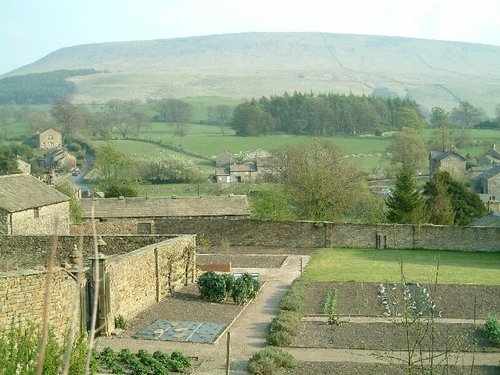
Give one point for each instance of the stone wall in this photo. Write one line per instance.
(271, 234)
(143, 277)
(113, 227)
(18, 252)
(22, 298)
(40, 221)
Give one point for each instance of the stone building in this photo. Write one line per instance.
(487, 182)
(49, 138)
(490, 157)
(59, 158)
(145, 210)
(30, 207)
(245, 167)
(448, 161)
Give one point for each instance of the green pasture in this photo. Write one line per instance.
(370, 265)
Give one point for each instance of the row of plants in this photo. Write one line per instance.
(142, 363)
(217, 287)
(330, 307)
(286, 323)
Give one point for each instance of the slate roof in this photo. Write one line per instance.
(490, 220)
(19, 192)
(492, 172)
(232, 205)
(440, 155)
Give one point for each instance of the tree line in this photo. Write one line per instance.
(39, 88)
(324, 115)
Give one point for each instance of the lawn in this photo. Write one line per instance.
(370, 265)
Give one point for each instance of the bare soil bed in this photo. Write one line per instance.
(392, 336)
(454, 301)
(242, 260)
(185, 305)
(351, 368)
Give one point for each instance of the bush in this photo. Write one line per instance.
(286, 321)
(280, 338)
(294, 299)
(492, 328)
(244, 288)
(212, 286)
(269, 360)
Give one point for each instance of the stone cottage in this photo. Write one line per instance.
(28, 206)
(487, 182)
(58, 158)
(49, 138)
(448, 161)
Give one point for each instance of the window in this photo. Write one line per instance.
(144, 228)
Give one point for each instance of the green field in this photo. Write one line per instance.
(370, 265)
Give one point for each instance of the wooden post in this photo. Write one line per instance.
(228, 352)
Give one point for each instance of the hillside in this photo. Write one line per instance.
(255, 64)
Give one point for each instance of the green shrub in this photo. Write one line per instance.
(287, 321)
(279, 338)
(269, 360)
(212, 286)
(244, 288)
(294, 299)
(492, 328)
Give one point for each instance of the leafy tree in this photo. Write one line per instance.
(406, 205)
(467, 206)
(439, 117)
(75, 208)
(8, 161)
(250, 119)
(117, 173)
(220, 114)
(466, 115)
(271, 204)
(407, 148)
(172, 169)
(69, 117)
(440, 204)
(177, 111)
(319, 182)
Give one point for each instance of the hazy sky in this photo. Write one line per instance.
(31, 29)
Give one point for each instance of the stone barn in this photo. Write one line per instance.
(28, 206)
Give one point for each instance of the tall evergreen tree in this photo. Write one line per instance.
(467, 206)
(406, 205)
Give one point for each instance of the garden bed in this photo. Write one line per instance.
(454, 301)
(242, 261)
(352, 368)
(185, 305)
(391, 336)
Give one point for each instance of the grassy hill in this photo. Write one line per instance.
(434, 73)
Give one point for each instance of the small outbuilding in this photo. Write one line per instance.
(29, 206)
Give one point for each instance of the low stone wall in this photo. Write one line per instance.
(22, 295)
(114, 227)
(143, 277)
